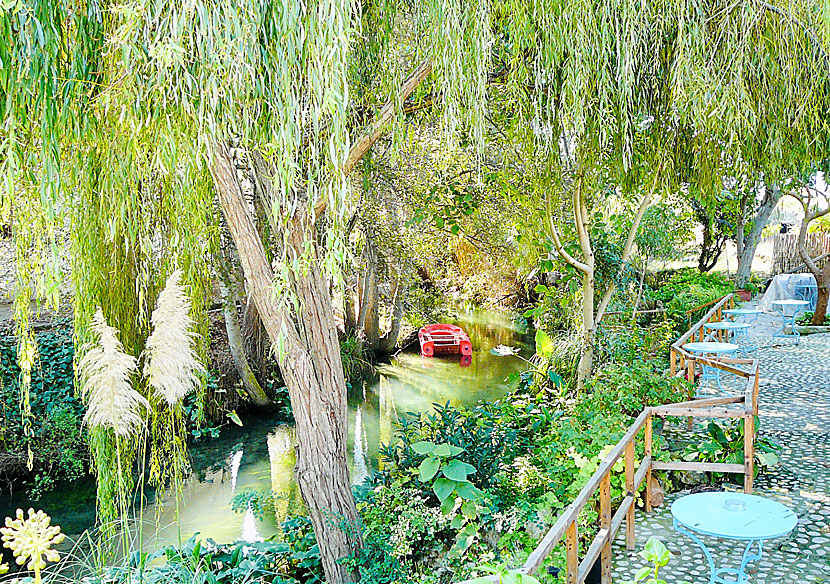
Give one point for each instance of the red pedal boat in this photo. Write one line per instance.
(444, 339)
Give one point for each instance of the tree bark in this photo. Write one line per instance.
(256, 338)
(823, 295)
(387, 342)
(313, 372)
(746, 246)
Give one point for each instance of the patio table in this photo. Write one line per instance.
(743, 314)
(784, 307)
(737, 329)
(734, 516)
(706, 348)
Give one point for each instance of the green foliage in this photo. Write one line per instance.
(57, 441)
(375, 562)
(457, 495)
(635, 340)
(665, 232)
(806, 319)
(424, 305)
(206, 562)
(487, 434)
(688, 288)
(506, 576)
(726, 444)
(656, 553)
(402, 528)
(555, 359)
(630, 387)
(356, 358)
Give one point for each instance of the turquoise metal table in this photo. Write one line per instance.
(734, 516)
(738, 330)
(789, 309)
(743, 314)
(710, 348)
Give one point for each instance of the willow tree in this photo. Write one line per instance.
(180, 88)
(148, 102)
(619, 94)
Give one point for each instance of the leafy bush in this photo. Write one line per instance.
(356, 358)
(211, 563)
(489, 434)
(726, 444)
(407, 527)
(633, 341)
(688, 288)
(629, 388)
(54, 434)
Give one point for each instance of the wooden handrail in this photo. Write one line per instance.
(600, 549)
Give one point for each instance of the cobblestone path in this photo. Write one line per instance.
(795, 412)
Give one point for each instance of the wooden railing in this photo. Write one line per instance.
(680, 359)
(610, 521)
(718, 302)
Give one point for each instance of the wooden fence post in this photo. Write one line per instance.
(749, 451)
(630, 537)
(571, 553)
(755, 391)
(673, 362)
(647, 456)
(605, 523)
(690, 373)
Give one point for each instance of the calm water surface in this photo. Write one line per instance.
(261, 455)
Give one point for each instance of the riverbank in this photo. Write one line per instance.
(258, 457)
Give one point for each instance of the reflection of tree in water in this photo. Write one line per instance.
(360, 470)
(282, 455)
(487, 329)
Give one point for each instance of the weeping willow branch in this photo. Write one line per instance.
(375, 131)
(807, 32)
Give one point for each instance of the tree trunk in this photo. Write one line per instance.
(387, 342)
(586, 356)
(256, 338)
(712, 245)
(236, 344)
(368, 319)
(823, 285)
(311, 366)
(746, 250)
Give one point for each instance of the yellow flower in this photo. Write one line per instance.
(32, 539)
(3, 567)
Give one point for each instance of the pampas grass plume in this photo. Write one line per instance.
(171, 364)
(105, 372)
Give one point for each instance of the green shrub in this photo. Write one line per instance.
(725, 443)
(688, 288)
(628, 388)
(356, 358)
(55, 434)
(411, 527)
(489, 434)
(634, 341)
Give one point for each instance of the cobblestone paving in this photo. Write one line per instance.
(795, 412)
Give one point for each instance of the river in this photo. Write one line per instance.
(260, 455)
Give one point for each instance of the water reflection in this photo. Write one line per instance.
(408, 383)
